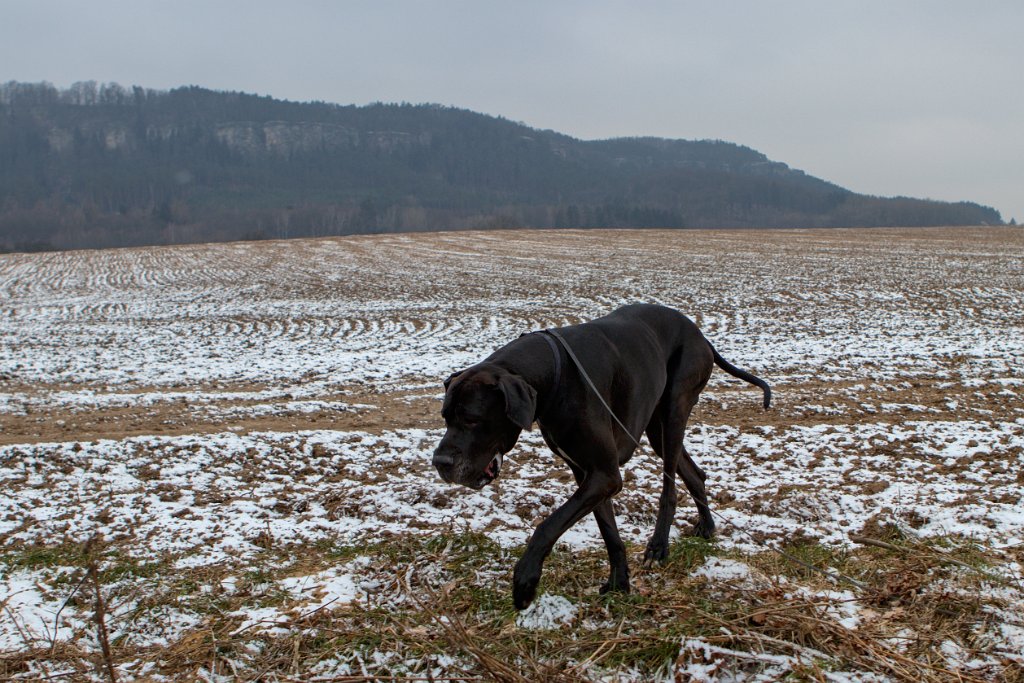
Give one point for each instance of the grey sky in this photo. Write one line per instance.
(917, 98)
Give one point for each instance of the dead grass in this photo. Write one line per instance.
(442, 608)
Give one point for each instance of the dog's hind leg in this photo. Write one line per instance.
(667, 441)
(657, 546)
(693, 477)
(665, 432)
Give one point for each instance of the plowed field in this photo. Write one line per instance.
(220, 410)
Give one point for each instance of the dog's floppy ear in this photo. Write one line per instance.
(520, 399)
(451, 377)
(448, 396)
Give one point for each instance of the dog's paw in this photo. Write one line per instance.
(615, 586)
(704, 528)
(618, 579)
(524, 592)
(524, 587)
(656, 553)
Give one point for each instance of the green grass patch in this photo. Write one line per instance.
(45, 557)
(689, 552)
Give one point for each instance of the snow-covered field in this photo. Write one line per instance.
(220, 411)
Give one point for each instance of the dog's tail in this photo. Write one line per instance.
(743, 375)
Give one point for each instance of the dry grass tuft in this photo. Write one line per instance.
(441, 607)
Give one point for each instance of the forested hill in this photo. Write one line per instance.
(96, 166)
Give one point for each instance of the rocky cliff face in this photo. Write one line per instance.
(278, 138)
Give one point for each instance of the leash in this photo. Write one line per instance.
(835, 576)
(590, 383)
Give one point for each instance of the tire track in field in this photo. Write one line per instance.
(781, 301)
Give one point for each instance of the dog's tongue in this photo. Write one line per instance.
(492, 467)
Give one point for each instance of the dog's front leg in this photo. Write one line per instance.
(604, 514)
(596, 488)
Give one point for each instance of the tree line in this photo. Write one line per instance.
(101, 165)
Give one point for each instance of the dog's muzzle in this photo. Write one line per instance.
(442, 459)
(443, 463)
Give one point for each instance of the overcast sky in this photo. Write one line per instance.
(916, 98)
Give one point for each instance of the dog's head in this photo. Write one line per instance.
(485, 408)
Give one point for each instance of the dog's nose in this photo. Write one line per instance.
(443, 463)
(442, 459)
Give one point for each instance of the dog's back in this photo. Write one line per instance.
(641, 341)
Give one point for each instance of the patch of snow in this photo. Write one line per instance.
(269, 619)
(28, 617)
(332, 588)
(717, 569)
(547, 612)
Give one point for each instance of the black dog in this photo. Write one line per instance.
(646, 364)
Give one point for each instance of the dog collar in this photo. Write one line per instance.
(546, 334)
